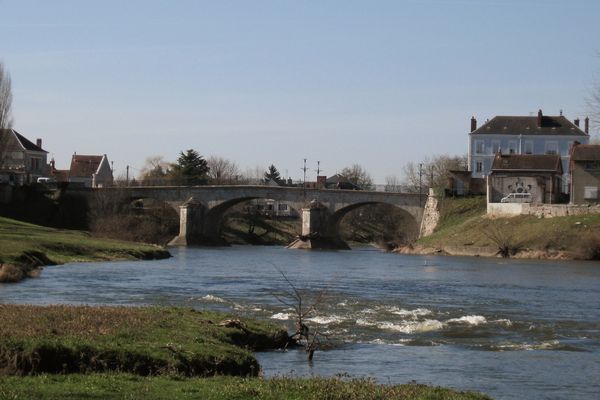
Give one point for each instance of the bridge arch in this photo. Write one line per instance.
(408, 219)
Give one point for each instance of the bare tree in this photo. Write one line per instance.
(432, 172)
(253, 176)
(222, 171)
(296, 300)
(358, 175)
(393, 184)
(156, 171)
(5, 99)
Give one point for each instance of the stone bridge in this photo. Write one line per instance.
(201, 208)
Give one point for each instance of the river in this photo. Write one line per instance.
(508, 328)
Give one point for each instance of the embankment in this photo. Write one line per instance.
(465, 229)
(24, 247)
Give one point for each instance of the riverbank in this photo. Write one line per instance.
(156, 353)
(25, 247)
(464, 229)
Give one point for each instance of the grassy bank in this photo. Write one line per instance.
(122, 386)
(143, 341)
(463, 224)
(24, 246)
(69, 352)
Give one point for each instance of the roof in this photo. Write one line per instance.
(527, 162)
(84, 166)
(26, 143)
(586, 152)
(61, 175)
(514, 125)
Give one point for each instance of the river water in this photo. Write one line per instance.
(508, 328)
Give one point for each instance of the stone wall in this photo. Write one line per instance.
(539, 210)
(431, 215)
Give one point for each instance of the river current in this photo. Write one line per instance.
(508, 328)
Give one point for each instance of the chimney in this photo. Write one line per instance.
(38, 143)
(539, 119)
(473, 124)
(587, 125)
(576, 121)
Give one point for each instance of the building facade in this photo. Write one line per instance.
(90, 171)
(541, 134)
(585, 174)
(537, 175)
(21, 161)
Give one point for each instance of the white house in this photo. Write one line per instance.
(21, 161)
(539, 134)
(90, 171)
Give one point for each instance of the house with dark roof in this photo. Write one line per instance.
(585, 174)
(90, 171)
(21, 160)
(541, 134)
(338, 181)
(536, 174)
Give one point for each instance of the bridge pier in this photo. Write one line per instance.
(191, 224)
(317, 232)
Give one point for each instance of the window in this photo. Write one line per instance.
(592, 165)
(590, 192)
(512, 147)
(496, 146)
(528, 147)
(479, 147)
(479, 166)
(551, 148)
(282, 207)
(35, 164)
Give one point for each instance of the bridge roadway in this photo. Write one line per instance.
(201, 208)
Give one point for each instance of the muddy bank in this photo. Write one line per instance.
(489, 251)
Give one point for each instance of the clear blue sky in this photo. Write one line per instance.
(378, 83)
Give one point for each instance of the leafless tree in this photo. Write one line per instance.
(5, 99)
(433, 171)
(222, 171)
(358, 175)
(156, 171)
(253, 176)
(393, 184)
(296, 300)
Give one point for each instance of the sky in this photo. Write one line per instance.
(375, 83)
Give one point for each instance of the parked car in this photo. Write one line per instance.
(517, 198)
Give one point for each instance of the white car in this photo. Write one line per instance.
(517, 198)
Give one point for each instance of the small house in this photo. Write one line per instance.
(90, 171)
(585, 174)
(537, 175)
(21, 161)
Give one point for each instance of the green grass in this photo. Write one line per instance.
(122, 386)
(463, 222)
(145, 341)
(23, 243)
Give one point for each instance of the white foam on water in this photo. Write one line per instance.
(418, 312)
(281, 316)
(325, 320)
(528, 346)
(503, 321)
(214, 299)
(427, 325)
(364, 322)
(468, 319)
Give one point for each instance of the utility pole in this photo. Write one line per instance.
(304, 181)
(127, 176)
(318, 168)
(420, 184)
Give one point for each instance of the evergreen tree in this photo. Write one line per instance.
(191, 168)
(272, 174)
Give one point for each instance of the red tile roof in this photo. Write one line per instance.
(527, 162)
(586, 152)
(83, 166)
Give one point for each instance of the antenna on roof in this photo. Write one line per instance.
(561, 112)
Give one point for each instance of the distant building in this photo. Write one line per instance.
(541, 134)
(90, 171)
(585, 174)
(338, 181)
(538, 175)
(461, 183)
(21, 161)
